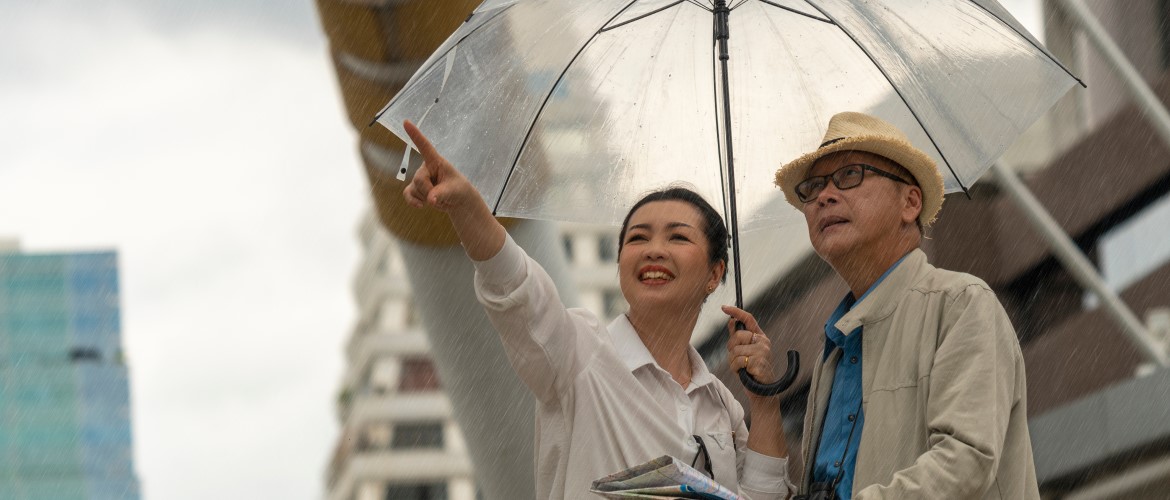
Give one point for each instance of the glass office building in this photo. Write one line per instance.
(64, 391)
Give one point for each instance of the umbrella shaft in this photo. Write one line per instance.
(722, 34)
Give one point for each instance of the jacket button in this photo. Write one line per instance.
(837, 463)
(853, 360)
(852, 417)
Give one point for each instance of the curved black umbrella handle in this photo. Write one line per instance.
(776, 387)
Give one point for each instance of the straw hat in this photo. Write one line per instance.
(852, 131)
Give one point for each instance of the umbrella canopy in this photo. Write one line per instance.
(570, 110)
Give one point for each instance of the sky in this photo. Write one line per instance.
(205, 142)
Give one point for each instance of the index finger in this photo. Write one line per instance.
(749, 321)
(424, 146)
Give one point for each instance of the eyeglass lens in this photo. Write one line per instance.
(847, 177)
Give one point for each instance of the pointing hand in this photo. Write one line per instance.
(437, 184)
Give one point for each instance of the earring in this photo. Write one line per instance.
(710, 290)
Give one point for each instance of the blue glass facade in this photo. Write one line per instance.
(64, 391)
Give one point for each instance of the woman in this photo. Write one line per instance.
(609, 398)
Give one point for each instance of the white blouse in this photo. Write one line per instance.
(603, 404)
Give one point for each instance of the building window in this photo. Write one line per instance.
(80, 354)
(1132, 250)
(414, 435)
(431, 491)
(567, 241)
(418, 375)
(607, 248)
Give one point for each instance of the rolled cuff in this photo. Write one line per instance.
(505, 269)
(765, 474)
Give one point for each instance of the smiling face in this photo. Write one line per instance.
(862, 224)
(664, 259)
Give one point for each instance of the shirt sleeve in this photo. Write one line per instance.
(502, 272)
(761, 477)
(765, 477)
(547, 344)
(975, 383)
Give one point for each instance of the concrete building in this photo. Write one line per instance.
(64, 389)
(398, 438)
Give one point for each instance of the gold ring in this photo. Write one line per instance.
(745, 361)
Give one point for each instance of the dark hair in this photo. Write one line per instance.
(713, 226)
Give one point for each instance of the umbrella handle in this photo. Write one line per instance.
(776, 387)
(761, 389)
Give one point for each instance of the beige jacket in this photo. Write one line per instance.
(943, 391)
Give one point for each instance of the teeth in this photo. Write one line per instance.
(656, 275)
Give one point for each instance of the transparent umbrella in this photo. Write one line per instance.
(570, 110)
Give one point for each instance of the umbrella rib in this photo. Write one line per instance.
(547, 96)
(436, 60)
(896, 91)
(794, 11)
(648, 14)
(1029, 40)
(700, 5)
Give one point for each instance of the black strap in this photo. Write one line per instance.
(706, 456)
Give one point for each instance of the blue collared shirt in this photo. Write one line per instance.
(844, 418)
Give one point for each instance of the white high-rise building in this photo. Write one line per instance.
(591, 252)
(399, 439)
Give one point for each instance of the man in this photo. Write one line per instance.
(920, 392)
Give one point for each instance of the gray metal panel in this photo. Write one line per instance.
(1069, 438)
(1139, 412)
(1089, 431)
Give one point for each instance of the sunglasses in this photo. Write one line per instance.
(847, 177)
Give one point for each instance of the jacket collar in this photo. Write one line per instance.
(882, 300)
(635, 355)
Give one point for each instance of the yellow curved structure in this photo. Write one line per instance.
(376, 47)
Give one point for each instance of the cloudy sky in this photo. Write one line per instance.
(203, 140)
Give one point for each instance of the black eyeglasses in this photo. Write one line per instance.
(847, 177)
(706, 457)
